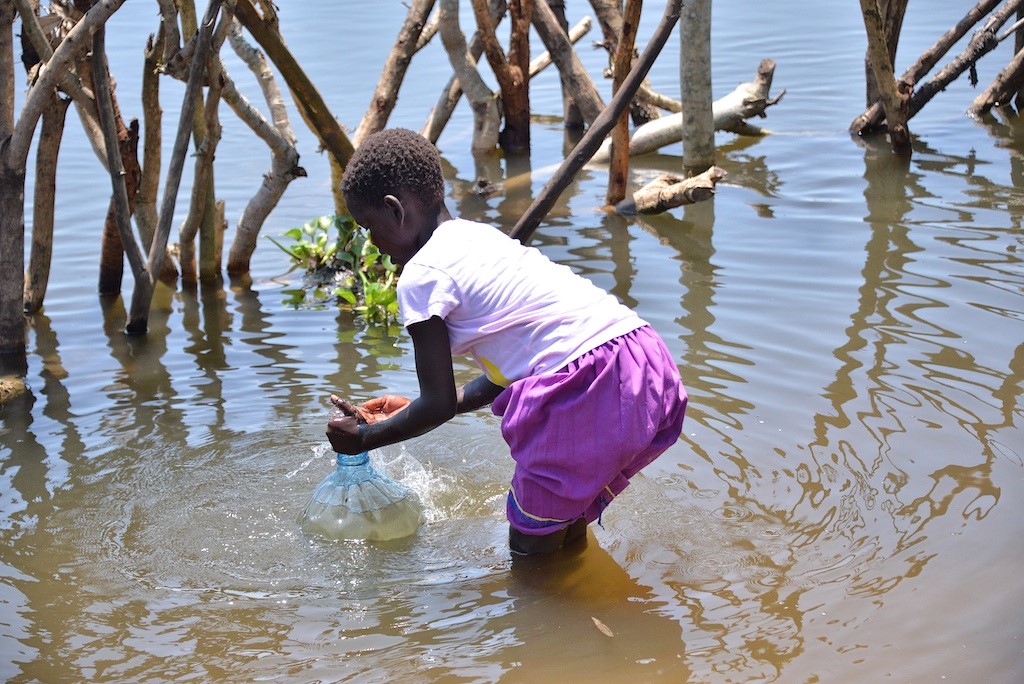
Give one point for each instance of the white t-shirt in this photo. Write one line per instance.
(516, 312)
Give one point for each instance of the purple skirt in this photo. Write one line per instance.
(579, 434)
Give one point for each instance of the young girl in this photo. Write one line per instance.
(587, 391)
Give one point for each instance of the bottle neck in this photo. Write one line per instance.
(353, 459)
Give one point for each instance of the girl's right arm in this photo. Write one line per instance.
(438, 397)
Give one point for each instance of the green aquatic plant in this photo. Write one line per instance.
(345, 266)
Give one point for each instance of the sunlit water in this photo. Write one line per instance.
(844, 504)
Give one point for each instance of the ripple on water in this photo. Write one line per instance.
(226, 526)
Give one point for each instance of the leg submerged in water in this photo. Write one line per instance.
(527, 544)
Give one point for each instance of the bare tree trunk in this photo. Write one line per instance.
(126, 166)
(41, 256)
(68, 80)
(618, 166)
(308, 100)
(1018, 45)
(17, 139)
(892, 12)
(142, 295)
(202, 217)
(108, 121)
(386, 94)
(512, 73)
(609, 15)
(873, 116)
(698, 128)
(12, 257)
(575, 77)
(571, 115)
(591, 140)
(149, 181)
(486, 118)
(894, 101)
(6, 70)
(211, 229)
(284, 158)
(452, 93)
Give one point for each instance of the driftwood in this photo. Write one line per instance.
(730, 114)
(668, 192)
(591, 140)
(11, 386)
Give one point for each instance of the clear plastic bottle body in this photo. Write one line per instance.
(357, 502)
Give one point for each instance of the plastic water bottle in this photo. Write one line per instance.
(357, 502)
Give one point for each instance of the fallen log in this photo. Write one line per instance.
(730, 114)
(668, 191)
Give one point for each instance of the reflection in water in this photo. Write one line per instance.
(849, 331)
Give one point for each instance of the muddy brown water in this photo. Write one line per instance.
(844, 504)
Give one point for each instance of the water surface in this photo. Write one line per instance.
(843, 505)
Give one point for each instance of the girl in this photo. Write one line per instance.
(587, 391)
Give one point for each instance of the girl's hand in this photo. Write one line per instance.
(343, 427)
(382, 408)
(374, 410)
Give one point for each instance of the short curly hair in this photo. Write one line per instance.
(390, 161)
